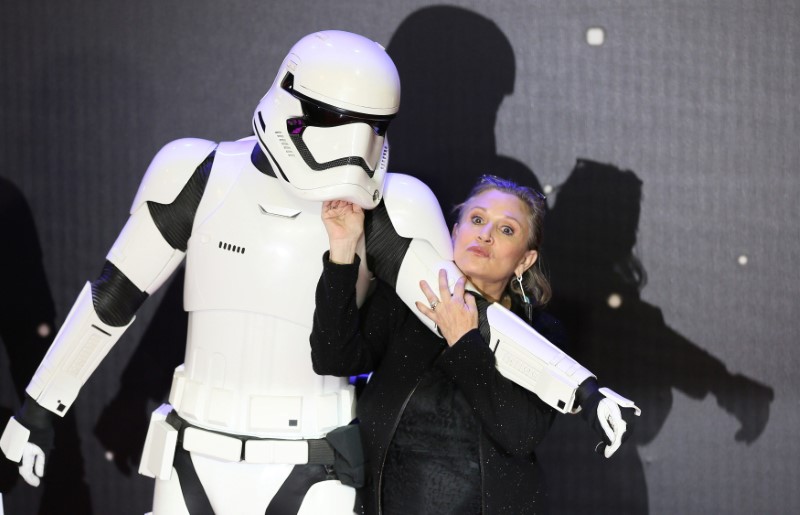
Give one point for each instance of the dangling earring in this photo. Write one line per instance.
(522, 290)
(526, 301)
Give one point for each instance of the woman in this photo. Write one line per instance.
(443, 431)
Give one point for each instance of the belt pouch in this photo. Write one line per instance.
(348, 455)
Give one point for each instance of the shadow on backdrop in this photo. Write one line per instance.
(590, 237)
(27, 318)
(455, 67)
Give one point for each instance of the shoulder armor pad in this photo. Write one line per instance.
(247, 139)
(415, 213)
(170, 169)
(238, 147)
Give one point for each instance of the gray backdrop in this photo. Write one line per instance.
(668, 154)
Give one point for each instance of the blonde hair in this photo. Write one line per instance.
(534, 281)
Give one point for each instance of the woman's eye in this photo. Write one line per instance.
(476, 219)
(508, 231)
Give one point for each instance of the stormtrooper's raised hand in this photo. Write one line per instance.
(611, 415)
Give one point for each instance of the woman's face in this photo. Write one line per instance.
(490, 241)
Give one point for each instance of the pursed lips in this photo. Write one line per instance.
(478, 250)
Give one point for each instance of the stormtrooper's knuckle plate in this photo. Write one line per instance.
(620, 400)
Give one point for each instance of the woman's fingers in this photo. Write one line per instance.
(428, 292)
(458, 289)
(444, 288)
(340, 207)
(425, 310)
(469, 300)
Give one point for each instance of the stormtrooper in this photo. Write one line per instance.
(249, 427)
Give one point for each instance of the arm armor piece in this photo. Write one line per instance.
(414, 214)
(522, 354)
(154, 240)
(80, 345)
(530, 360)
(148, 250)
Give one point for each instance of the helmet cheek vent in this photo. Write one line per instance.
(384, 157)
(287, 148)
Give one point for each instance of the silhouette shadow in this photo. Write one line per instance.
(455, 68)
(590, 237)
(27, 318)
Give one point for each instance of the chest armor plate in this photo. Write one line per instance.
(254, 247)
(252, 265)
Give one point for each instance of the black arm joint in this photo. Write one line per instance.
(588, 396)
(33, 416)
(39, 421)
(586, 389)
(116, 299)
(385, 248)
(260, 161)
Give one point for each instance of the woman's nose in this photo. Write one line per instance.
(486, 233)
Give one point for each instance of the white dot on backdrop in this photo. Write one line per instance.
(614, 300)
(742, 260)
(547, 189)
(595, 36)
(109, 456)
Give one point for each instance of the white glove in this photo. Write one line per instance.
(610, 418)
(609, 414)
(32, 466)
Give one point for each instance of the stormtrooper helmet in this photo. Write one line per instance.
(323, 122)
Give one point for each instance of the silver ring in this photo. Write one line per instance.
(434, 304)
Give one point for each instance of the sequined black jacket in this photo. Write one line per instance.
(386, 338)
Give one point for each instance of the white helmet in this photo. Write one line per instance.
(323, 122)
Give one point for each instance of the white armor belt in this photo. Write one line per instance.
(284, 417)
(250, 450)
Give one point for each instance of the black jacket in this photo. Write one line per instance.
(385, 337)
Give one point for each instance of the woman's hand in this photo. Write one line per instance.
(455, 314)
(344, 222)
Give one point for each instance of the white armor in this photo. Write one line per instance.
(530, 360)
(252, 264)
(329, 103)
(247, 294)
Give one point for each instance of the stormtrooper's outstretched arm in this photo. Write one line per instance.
(408, 241)
(150, 247)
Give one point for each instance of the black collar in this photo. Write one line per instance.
(260, 161)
